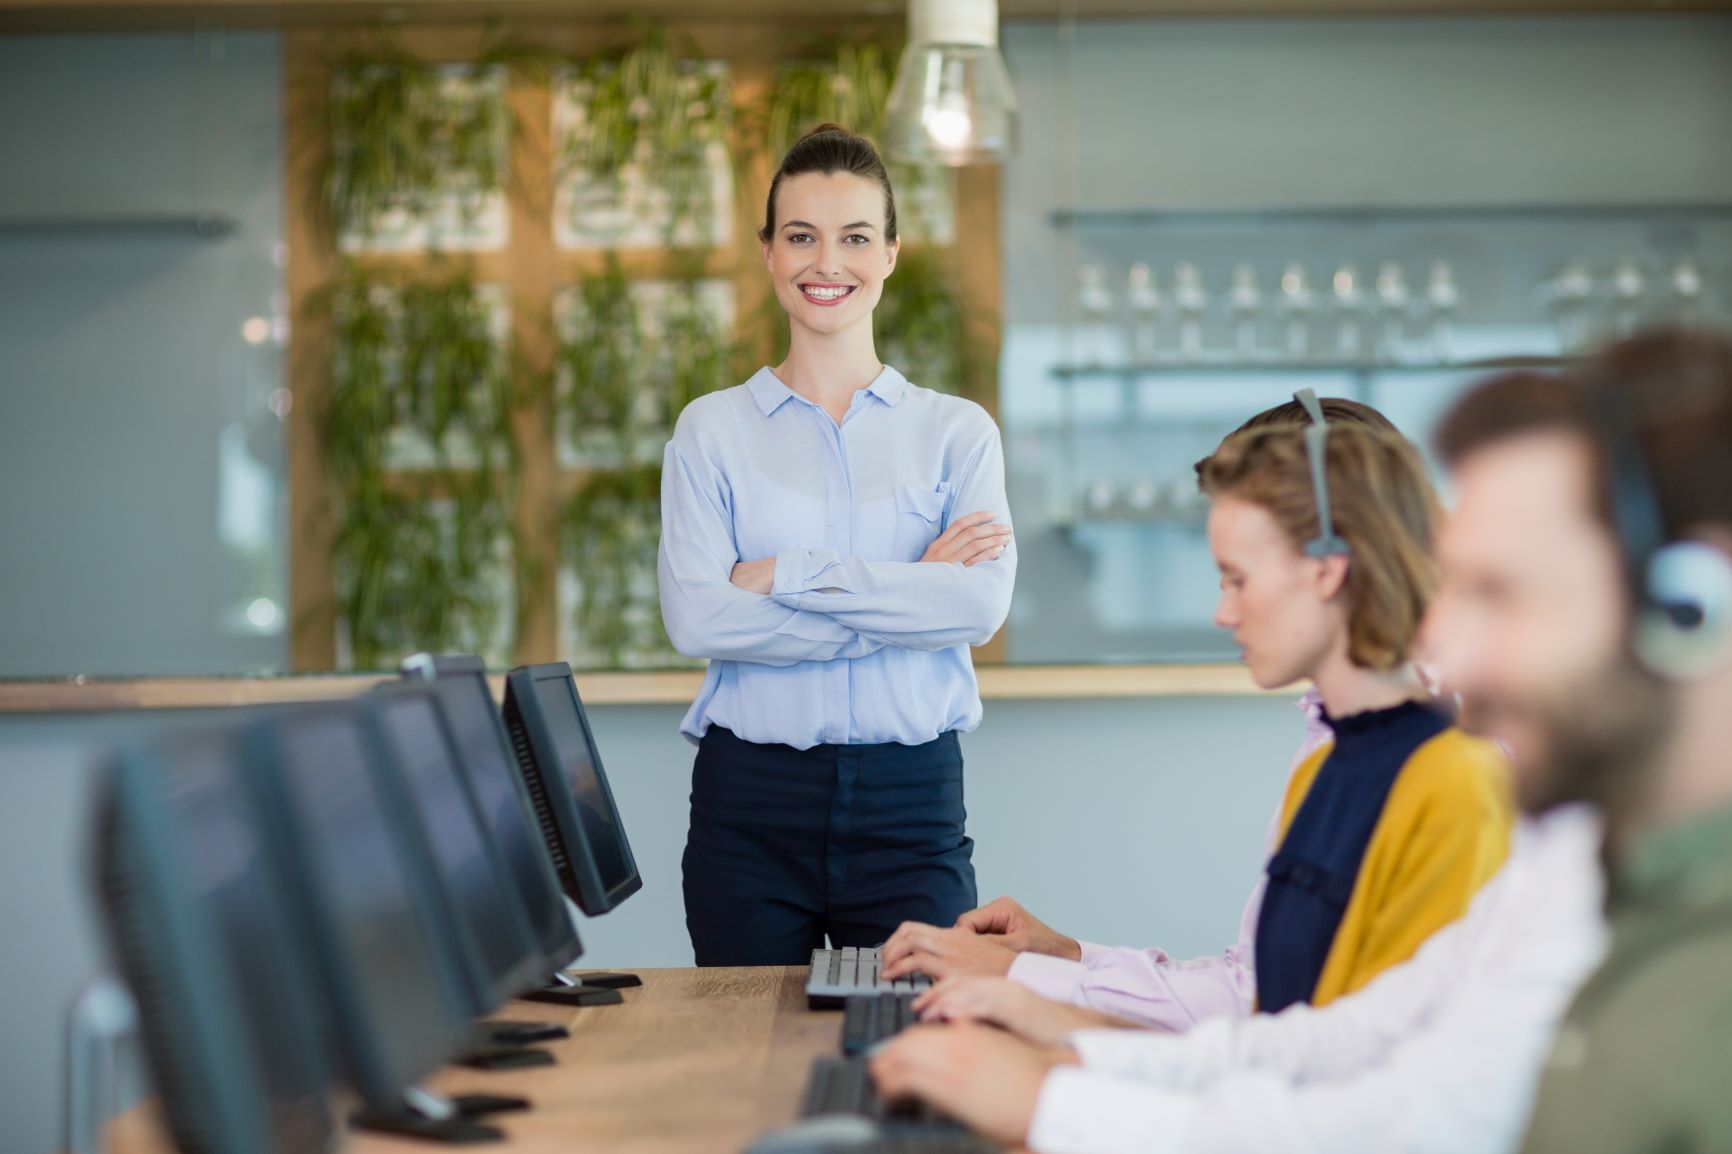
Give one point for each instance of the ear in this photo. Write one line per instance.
(765, 243)
(1331, 576)
(891, 251)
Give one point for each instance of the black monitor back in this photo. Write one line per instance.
(489, 928)
(484, 753)
(398, 999)
(198, 918)
(557, 757)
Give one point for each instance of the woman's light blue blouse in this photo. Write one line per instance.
(859, 641)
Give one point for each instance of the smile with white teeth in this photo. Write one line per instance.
(825, 293)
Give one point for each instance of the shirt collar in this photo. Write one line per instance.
(770, 393)
(768, 390)
(888, 386)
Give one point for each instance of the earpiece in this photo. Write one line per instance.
(1682, 623)
(1327, 543)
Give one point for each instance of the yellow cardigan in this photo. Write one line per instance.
(1444, 830)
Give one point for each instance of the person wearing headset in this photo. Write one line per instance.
(1610, 583)
(1589, 560)
(834, 538)
(1152, 986)
(1323, 538)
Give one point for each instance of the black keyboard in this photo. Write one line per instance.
(916, 1142)
(842, 1086)
(907, 1142)
(866, 1021)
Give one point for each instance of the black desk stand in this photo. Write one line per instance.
(609, 981)
(492, 1057)
(566, 990)
(434, 1118)
(522, 1033)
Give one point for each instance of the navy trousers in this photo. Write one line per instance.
(789, 847)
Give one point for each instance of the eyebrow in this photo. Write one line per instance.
(859, 224)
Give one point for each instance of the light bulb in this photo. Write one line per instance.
(949, 124)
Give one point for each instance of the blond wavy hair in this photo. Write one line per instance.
(1382, 505)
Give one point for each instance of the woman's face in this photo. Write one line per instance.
(1283, 607)
(828, 257)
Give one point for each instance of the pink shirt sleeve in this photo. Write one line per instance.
(1152, 987)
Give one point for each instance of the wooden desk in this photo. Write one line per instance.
(698, 1061)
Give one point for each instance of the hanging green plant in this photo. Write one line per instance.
(599, 355)
(405, 133)
(697, 353)
(608, 536)
(365, 397)
(655, 113)
(411, 579)
(454, 371)
(846, 84)
(417, 553)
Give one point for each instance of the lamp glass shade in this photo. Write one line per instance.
(951, 104)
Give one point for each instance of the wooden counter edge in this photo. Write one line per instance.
(997, 683)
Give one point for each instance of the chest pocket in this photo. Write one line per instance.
(920, 518)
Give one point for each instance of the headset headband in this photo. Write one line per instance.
(1327, 543)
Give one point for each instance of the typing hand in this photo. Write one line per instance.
(921, 949)
(1017, 929)
(1001, 1002)
(977, 1075)
(755, 576)
(970, 540)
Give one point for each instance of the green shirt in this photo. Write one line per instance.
(1643, 1062)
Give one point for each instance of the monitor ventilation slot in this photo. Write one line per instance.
(538, 793)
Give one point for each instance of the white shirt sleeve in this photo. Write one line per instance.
(1439, 1056)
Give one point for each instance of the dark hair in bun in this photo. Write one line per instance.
(831, 148)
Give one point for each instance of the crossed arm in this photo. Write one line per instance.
(816, 605)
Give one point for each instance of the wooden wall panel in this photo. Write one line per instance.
(532, 269)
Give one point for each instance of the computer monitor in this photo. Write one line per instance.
(197, 917)
(557, 757)
(485, 755)
(366, 901)
(492, 933)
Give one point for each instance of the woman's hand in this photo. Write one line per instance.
(1014, 927)
(755, 576)
(1001, 1002)
(969, 540)
(916, 948)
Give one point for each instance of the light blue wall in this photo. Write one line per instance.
(140, 494)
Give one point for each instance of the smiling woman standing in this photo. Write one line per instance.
(834, 538)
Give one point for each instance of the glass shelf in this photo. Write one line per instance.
(1371, 215)
(1067, 372)
(1157, 332)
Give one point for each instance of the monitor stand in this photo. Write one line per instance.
(494, 1057)
(439, 1106)
(522, 1033)
(609, 981)
(429, 1117)
(566, 990)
